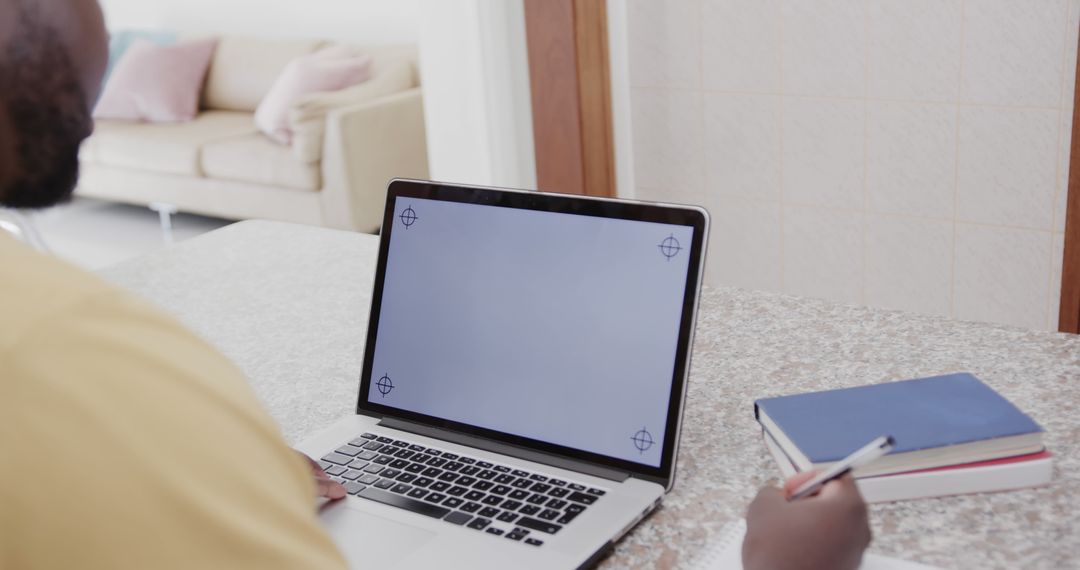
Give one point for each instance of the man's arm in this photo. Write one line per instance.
(325, 486)
(140, 446)
(828, 530)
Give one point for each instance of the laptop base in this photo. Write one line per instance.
(374, 533)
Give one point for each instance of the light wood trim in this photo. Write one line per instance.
(571, 99)
(594, 84)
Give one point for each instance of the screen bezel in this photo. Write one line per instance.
(690, 216)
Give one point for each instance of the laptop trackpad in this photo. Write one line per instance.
(371, 541)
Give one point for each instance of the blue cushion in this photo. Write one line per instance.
(120, 41)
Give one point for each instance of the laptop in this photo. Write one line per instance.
(523, 379)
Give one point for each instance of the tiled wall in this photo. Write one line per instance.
(907, 154)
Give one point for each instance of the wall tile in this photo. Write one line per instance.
(1061, 191)
(744, 244)
(1001, 275)
(1061, 199)
(1013, 52)
(1007, 166)
(672, 195)
(823, 253)
(664, 43)
(1072, 35)
(741, 47)
(667, 139)
(909, 264)
(826, 140)
(743, 145)
(824, 47)
(911, 158)
(823, 152)
(1068, 85)
(1056, 262)
(914, 49)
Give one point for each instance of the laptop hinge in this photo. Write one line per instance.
(507, 449)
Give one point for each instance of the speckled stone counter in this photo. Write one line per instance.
(289, 305)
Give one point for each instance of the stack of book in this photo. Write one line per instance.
(954, 435)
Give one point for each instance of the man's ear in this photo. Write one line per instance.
(7, 148)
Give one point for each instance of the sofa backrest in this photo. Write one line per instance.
(389, 56)
(243, 70)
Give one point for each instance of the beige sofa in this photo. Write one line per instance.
(347, 144)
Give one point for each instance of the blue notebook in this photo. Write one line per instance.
(937, 421)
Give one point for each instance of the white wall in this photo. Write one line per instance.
(619, 68)
(908, 154)
(358, 21)
(474, 68)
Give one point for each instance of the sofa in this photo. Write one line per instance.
(346, 145)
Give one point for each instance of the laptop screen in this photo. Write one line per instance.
(554, 327)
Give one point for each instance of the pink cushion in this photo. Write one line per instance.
(157, 83)
(329, 69)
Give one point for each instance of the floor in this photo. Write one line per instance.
(94, 234)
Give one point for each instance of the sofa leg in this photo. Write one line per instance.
(165, 212)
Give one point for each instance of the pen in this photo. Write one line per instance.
(864, 455)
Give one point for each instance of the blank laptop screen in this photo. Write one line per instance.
(556, 327)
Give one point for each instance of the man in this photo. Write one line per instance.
(125, 441)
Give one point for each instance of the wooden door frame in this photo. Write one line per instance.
(571, 96)
(1069, 312)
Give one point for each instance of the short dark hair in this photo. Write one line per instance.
(47, 110)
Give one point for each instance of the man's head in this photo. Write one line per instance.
(52, 57)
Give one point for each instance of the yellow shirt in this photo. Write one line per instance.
(127, 442)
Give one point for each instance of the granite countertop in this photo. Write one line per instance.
(289, 305)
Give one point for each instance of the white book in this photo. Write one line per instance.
(726, 554)
(979, 478)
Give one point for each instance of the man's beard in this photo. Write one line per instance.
(47, 111)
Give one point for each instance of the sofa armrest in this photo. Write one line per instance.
(308, 114)
(366, 146)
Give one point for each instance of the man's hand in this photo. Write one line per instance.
(828, 530)
(327, 487)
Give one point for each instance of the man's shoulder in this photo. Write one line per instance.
(158, 415)
(35, 287)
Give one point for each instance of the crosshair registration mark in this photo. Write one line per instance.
(670, 247)
(642, 440)
(408, 217)
(385, 385)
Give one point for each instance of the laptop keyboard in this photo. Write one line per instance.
(498, 500)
